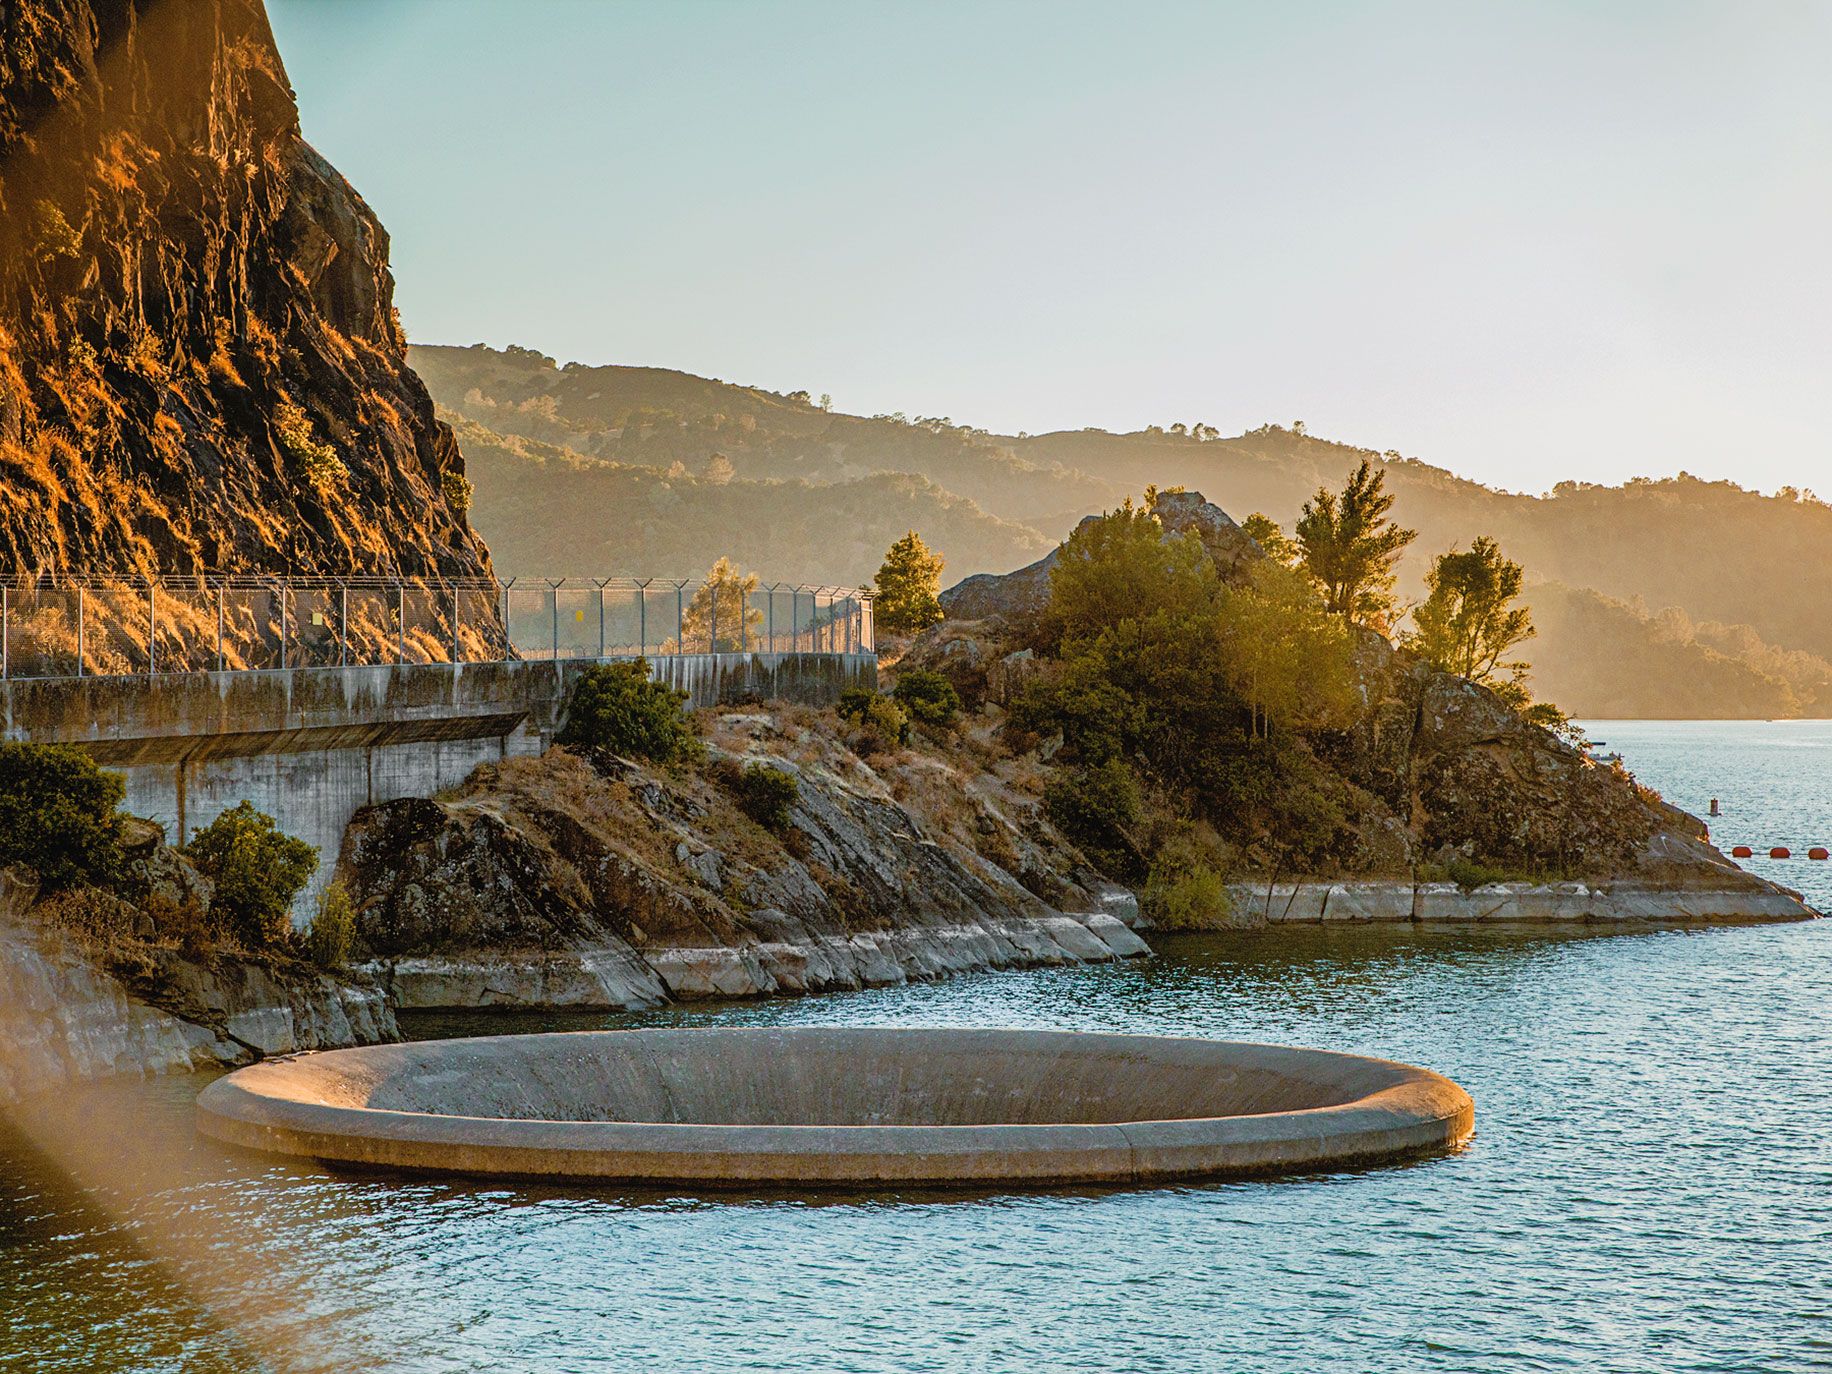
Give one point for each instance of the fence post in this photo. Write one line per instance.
(221, 588)
(285, 596)
(80, 617)
(769, 616)
(642, 617)
(400, 623)
(343, 624)
(680, 620)
(6, 625)
(601, 619)
(456, 612)
(712, 640)
(152, 628)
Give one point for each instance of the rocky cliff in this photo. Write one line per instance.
(586, 880)
(200, 364)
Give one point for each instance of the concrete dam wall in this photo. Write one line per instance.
(310, 746)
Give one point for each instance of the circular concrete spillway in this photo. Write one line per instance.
(811, 1106)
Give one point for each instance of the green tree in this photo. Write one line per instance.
(1468, 623)
(1271, 537)
(1123, 567)
(1289, 659)
(906, 587)
(711, 624)
(927, 696)
(1350, 545)
(59, 814)
(619, 707)
(257, 869)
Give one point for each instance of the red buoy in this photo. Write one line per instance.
(1818, 852)
(1779, 852)
(1742, 851)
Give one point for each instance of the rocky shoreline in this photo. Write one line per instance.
(64, 1019)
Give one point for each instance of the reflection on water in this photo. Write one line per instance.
(1649, 1189)
(1649, 1168)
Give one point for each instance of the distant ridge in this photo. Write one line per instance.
(1748, 576)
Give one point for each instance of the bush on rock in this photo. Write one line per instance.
(617, 707)
(767, 795)
(928, 697)
(59, 815)
(258, 870)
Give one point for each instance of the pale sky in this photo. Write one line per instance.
(1525, 241)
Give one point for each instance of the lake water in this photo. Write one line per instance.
(1650, 1186)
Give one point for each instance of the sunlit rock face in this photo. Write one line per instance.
(200, 365)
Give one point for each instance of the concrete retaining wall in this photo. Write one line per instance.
(310, 746)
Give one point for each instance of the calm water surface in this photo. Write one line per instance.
(1650, 1187)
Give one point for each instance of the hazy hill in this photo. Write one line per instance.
(1621, 662)
(551, 511)
(1747, 576)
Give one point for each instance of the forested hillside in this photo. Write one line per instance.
(1663, 597)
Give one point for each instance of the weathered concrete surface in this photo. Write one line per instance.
(1501, 903)
(310, 746)
(840, 1107)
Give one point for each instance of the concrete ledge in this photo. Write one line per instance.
(829, 1107)
(1630, 902)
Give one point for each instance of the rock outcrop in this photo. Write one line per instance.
(1435, 777)
(66, 1018)
(200, 365)
(1017, 596)
(592, 881)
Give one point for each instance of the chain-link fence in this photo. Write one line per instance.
(106, 627)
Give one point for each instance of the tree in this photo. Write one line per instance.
(712, 617)
(258, 870)
(1122, 566)
(1272, 539)
(1349, 545)
(1289, 659)
(907, 586)
(59, 814)
(1468, 622)
(620, 708)
(719, 470)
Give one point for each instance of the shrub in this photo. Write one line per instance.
(928, 697)
(880, 723)
(59, 815)
(257, 869)
(1470, 874)
(1184, 891)
(619, 708)
(767, 795)
(318, 461)
(333, 933)
(457, 490)
(854, 703)
(55, 238)
(1095, 806)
